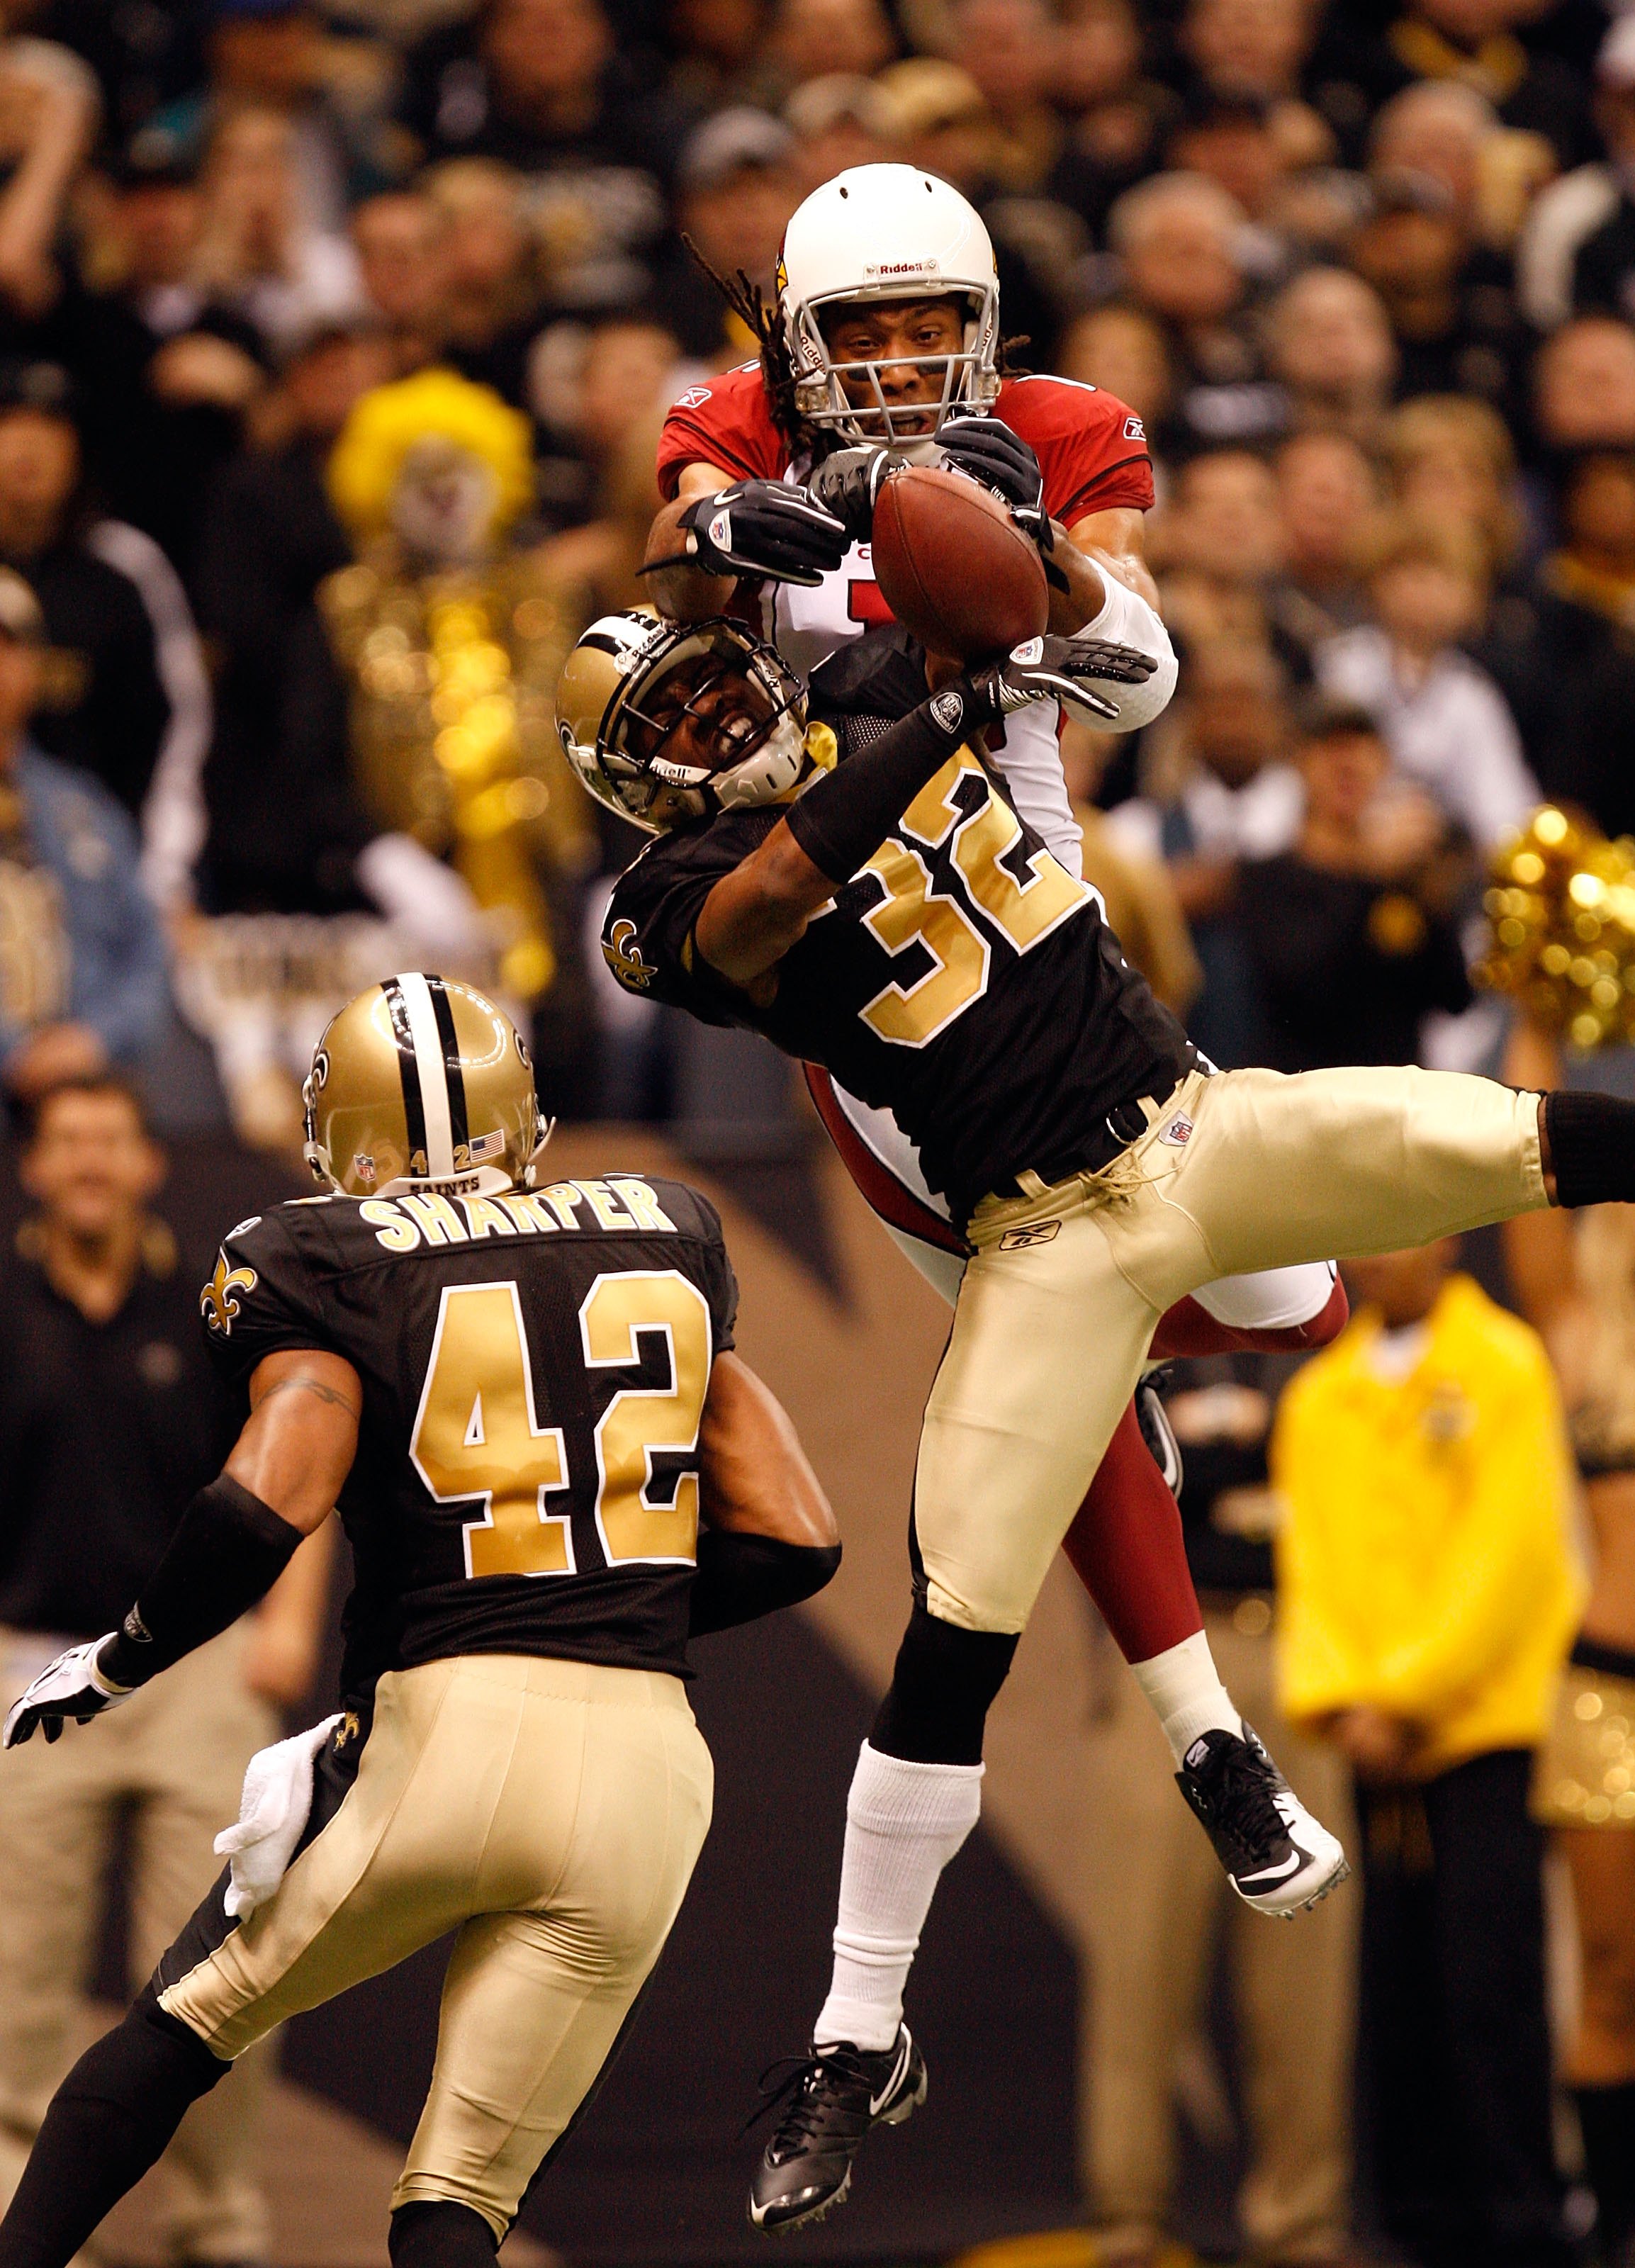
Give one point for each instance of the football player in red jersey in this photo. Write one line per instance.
(885, 345)
(886, 342)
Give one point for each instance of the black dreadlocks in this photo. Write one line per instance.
(748, 302)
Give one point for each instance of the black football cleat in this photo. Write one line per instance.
(836, 2095)
(1278, 1857)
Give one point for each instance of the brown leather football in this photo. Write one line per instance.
(954, 566)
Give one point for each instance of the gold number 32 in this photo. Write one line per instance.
(476, 1433)
(1024, 912)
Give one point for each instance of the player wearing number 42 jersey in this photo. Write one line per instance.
(521, 1398)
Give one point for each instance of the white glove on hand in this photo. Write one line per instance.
(272, 1812)
(70, 1686)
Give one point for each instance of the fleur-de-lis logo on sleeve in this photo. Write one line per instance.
(624, 956)
(219, 1301)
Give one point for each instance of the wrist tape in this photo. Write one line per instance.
(1126, 619)
(228, 1550)
(740, 1577)
(843, 818)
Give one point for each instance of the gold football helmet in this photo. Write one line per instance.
(631, 677)
(421, 1083)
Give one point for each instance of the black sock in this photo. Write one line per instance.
(1592, 1147)
(941, 1691)
(108, 2122)
(1607, 2121)
(440, 2233)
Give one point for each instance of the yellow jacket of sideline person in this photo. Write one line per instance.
(1425, 1566)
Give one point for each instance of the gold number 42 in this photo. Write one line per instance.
(1024, 912)
(477, 1436)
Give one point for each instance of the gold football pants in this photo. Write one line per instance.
(551, 1812)
(1244, 1170)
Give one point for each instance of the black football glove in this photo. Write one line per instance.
(70, 1686)
(848, 484)
(1061, 669)
(765, 527)
(985, 449)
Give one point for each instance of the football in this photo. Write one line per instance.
(954, 566)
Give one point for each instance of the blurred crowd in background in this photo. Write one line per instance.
(333, 342)
(336, 336)
(335, 339)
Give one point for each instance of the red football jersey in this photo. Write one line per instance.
(1092, 449)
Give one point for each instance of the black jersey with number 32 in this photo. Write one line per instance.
(535, 1369)
(964, 981)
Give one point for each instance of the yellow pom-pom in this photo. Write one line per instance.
(390, 420)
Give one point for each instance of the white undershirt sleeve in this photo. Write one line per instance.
(1127, 620)
(1031, 761)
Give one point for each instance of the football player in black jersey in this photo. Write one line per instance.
(855, 886)
(521, 1398)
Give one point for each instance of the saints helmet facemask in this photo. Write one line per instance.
(633, 679)
(421, 1083)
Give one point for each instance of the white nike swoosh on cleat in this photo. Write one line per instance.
(1272, 1874)
(877, 2102)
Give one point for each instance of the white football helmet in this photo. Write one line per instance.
(612, 737)
(885, 233)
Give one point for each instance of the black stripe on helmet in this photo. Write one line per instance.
(443, 1009)
(414, 1110)
(660, 649)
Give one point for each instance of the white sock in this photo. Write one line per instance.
(1185, 1690)
(904, 1821)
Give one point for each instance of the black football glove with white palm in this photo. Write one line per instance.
(766, 528)
(1070, 670)
(985, 449)
(70, 1686)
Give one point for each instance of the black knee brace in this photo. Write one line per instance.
(941, 1691)
(1592, 1147)
(438, 2232)
(108, 2122)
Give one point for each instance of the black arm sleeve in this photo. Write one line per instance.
(842, 819)
(228, 1551)
(741, 1577)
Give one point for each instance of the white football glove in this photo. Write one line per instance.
(272, 1812)
(70, 1686)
